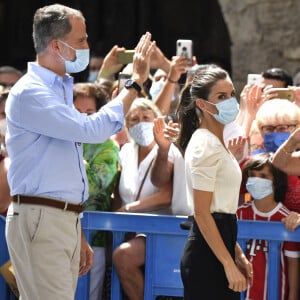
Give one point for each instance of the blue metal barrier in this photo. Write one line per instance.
(5, 291)
(162, 272)
(164, 244)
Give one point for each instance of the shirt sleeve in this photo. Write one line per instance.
(40, 111)
(205, 163)
(291, 249)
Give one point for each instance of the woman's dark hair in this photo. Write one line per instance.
(188, 114)
(257, 163)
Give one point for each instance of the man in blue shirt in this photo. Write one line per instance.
(47, 177)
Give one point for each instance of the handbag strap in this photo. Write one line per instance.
(142, 183)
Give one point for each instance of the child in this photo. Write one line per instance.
(267, 186)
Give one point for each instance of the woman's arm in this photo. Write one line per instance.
(163, 100)
(243, 263)
(159, 200)
(284, 158)
(162, 170)
(210, 232)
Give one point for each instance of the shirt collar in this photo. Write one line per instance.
(48, 76)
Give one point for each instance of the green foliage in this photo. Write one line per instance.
(101, 162)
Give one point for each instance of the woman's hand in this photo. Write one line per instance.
(237, 147)
(178, 67)
(245, 267)
(158, 60)
(236, 280)
(110, 64)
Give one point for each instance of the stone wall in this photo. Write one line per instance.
(264, 34)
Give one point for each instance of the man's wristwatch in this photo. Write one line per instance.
(131, 84)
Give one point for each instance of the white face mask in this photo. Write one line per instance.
(259, 188)
(81, 61)
(142, 133)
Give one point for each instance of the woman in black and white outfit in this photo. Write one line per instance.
(213, 265)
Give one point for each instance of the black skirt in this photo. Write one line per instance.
(202, 274)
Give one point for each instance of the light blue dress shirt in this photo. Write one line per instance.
(45, 135)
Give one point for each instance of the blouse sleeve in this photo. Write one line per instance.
(205, 163)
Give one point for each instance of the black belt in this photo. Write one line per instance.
(64, 205)
(223, 216)
(216, 215)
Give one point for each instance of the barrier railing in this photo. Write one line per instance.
(164, 244)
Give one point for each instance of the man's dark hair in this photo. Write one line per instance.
(278, 74)
(52, 22)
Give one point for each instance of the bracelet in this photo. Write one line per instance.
(285, 151)
(127, 208)
(170, 80)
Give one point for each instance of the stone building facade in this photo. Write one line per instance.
(264, 34)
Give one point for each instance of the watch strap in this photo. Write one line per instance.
(131, 84)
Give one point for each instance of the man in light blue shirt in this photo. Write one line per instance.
(47, 177)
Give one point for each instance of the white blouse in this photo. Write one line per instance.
(132, 176)
(209, 166)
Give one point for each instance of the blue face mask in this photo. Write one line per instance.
(93, 75)
(272, 141)
(259, 188)
(81, 61)
(257, 151)
(156, 87)
(228, 110)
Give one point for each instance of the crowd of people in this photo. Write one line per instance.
(175, 140)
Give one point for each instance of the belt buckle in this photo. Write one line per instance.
(66, 206)
(18, 198)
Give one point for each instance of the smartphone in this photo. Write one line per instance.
(284, 93)
(185, 48)
(122, 77)
(255, 79)
(125, 57)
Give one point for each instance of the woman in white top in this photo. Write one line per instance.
(213, 265)
(135, 192)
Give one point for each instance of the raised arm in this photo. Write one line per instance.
(141, 67)
(177, 67)
(110, 64)
(250, 101)
(162, 170)
(286, 158)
